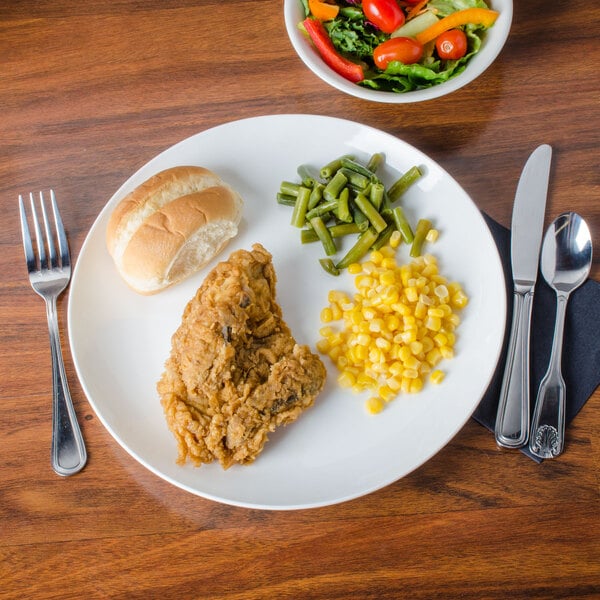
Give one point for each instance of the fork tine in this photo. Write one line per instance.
(38, 233)
(52, 259)
(27, 246)
(63, 245)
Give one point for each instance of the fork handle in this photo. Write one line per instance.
(68, 448)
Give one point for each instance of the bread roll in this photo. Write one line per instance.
(170, 226)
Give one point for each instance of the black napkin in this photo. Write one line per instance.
(581, 349)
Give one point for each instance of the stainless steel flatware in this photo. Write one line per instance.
(49, 275)
(512, 420)
(566, 261)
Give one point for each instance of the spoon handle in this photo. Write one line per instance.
(512, 420)
(548, 422)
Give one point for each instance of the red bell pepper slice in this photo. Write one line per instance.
(342, 66)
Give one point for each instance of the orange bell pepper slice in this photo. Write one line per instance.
(477, 16)
(322, 10)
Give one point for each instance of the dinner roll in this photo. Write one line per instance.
(168, 227)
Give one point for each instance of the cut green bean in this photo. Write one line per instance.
(331, 168)
(370, 212)
(324, 235)
(286, 199)
(375, 162)
(401, 185)
(334, 186)
(310, 235)
(402, 225)
(376, 193)
(423, 227)
(352, 165)
(356, 180)
(328, 265)
(343, 208)
(321, 209)
(299, 213)
(307, 175)
(360, 248)
(289, 188)
(316, 195)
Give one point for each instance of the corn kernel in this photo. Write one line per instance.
(395, 239)
(376, 257)
(416, 385)
(386, 393)
(446, 352)
(374, 405)
(346, 379)
(354, 268)
(326, 315)
(440, 339)
(432, 235)
(433, 323)
(323, 346)
(437, 376)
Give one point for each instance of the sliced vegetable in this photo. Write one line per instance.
(403, 49)
(475, 16)
(452, 44)
(414, 11)
(322, 10)
(417, 25)
(341, 65)
(384, 14)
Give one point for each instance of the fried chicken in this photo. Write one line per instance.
(235, 372)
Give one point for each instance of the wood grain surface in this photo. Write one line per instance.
(89, 92)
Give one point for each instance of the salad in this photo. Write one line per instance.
(397, 45)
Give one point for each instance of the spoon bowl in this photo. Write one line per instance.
(565, 262)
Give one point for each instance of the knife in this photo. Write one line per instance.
(512, 420)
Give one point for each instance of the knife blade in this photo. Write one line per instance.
(512, 420)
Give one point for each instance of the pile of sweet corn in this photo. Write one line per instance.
(396, 328)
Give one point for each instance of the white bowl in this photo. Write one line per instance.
(493, 41)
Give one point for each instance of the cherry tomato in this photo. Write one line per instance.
(451, 45)
(404, 49)
(384, 14)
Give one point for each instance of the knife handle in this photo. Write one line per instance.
(512, 420)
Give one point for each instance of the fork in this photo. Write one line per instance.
(49, 275)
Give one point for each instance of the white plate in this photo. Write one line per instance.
(335, 451)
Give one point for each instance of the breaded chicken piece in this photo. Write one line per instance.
(235, 372)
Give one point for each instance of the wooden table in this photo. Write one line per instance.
(89, 92)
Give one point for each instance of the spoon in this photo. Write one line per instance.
(566, 261)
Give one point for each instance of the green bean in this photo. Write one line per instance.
(324, 235)
(376, 194)
(309, 179)
(375, 162)
(316, 195)
(352, 165)
(355, 179)
(401, 185)
(343, 208)
(331, 168)
(359, 218)
(370, 212)
(299, 213)
(321, 209)
(423, 227)
(309, 235)
(334, 186)
(402, 225)
(286, 199)
(328, 265)
(289, 188)
(360, 248)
